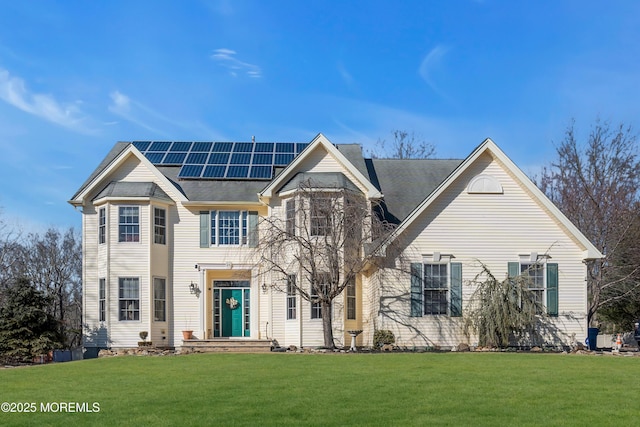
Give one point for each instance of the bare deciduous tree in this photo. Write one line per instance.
(323, 236)
(405, 145)
(595, 185)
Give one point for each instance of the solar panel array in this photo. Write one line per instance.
(221, 160)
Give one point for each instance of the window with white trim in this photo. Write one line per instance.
(102, 300)
(102, 225)
(128, 224)
(321, 211)
(351, 299)
(533, 272)
(129, 298)
(291, 296)
(290, 217)
(159, 226)
(436, 288)
(228, 227)
(323, 285)
(159, 299)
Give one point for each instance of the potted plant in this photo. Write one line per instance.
(187, 333)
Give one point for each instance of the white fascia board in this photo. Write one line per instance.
(590, 251)
(116, 163)
(320, 139)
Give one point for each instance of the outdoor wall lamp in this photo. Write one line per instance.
(264, 288)
(194, 289)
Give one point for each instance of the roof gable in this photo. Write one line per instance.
(320, 142)
(116, 158)
(488, 146)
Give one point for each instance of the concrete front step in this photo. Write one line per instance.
(224, 345)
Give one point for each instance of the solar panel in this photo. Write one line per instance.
(241, 158)
(237, 171)
(174, 158)
(221, 160)
(218, 158)
(223, 147)
(159, 146)
(181, 146)
(141, 145)
(243, 147)
(197, 158)
(202, 147)
(214, 171)
(261, 172)
(155, 158)
(190, 171)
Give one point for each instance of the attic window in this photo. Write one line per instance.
(484, 184)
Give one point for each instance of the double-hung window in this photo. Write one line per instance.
(290, 217)
(129, 224)
(322, 285)
(159, 300)
(102, 300)
(321, 211)
(436, 288)
(351, 299)
(102, 225)
(291, 296)
(159, 226)
(129, 298)
(542, 280)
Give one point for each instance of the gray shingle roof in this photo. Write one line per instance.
(407, 182)
(403, 182)
(133, 189)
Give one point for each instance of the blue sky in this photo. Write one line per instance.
(78, 76)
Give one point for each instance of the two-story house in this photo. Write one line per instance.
(170, 231)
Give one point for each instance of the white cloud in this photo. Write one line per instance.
(14, 92)
(227, 58)
(429, 64)
(121, 105)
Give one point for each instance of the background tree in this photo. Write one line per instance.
(323, 236)
(53, 263)
(595, 184)
(27, 329)
(405, 145)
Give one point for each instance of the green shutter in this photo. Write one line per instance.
(552, 289)
(253, 229)
(456, 289)
(416, 289)
(204, 229)
(513, 269)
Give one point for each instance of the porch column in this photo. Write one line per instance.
(202, 297)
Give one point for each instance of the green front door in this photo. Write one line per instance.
(232, 313)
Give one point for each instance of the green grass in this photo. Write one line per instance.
(343, 389)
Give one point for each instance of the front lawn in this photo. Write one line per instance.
(341, 389)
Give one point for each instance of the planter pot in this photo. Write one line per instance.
(187, 335)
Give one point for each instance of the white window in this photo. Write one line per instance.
(436, 288)
(102, 225)
(321, 208)
(129, 224)
(323, 284)
(534, 273)
(351, 299)
(159, 226)
(102, 300)
(228, 227)
(290, 217)
(159, 300)
(129, 298)
(291, 296)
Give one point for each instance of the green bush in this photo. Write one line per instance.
(383, 336)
